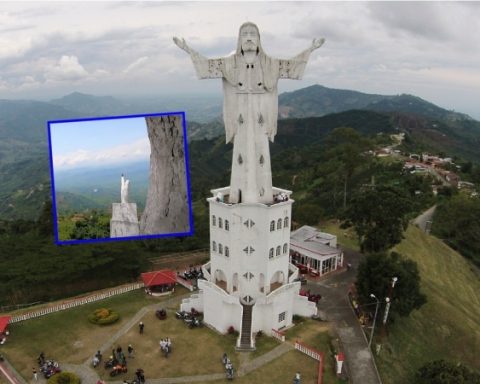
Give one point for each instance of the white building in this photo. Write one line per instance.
(250, 282)
(315, 252)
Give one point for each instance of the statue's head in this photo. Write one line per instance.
(248, 38)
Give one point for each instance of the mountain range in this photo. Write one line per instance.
(303, 114)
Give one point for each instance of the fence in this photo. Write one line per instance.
(317, 355)
(75, 303)
(278, 335)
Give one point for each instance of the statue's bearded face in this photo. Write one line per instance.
(249, 38)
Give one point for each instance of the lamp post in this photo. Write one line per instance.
(385, 316)
(374, 319)
(387, 308)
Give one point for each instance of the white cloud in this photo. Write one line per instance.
(67, 69)
(137, 150)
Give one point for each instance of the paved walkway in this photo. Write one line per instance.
(424, 220)
(335, 307)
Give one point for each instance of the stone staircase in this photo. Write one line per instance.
(246, 343)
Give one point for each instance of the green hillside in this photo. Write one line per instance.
(447, 327)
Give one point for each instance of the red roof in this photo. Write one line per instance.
(341, 356)
(165, 276)
(4, 323)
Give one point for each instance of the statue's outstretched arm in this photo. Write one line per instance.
(293, 68)
(182, 44)
(316, 43)
(205, 68)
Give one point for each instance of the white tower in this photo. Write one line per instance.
(250, 283)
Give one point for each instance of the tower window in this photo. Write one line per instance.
(278, 251)
(270, 253)
(227, 225)
(220, 225)
(214, 246)
(214, 220)
(285, 222)
(227, 251)
(279, 224)
(285, 248)
(272, 225)
(220, 249)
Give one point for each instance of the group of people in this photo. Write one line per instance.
(119, 356)
(47, 367)
(166, 346)
(192, 273)
(280, 197)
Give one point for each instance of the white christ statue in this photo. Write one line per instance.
(250, 107)
(124, 184)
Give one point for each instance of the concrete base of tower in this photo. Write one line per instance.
(273, 311)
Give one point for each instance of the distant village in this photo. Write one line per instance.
(442, 169)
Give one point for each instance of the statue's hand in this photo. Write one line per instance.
(317, 43)
(180, 42)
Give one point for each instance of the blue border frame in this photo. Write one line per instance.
(140, 237)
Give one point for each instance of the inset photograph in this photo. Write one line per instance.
(120, 177)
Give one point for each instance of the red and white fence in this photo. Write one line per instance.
(75, 302)
(313, 353)
(278, 335)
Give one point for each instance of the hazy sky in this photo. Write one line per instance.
(98, 143)
(429, 49)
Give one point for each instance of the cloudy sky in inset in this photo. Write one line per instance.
(98, 143)
(429, 49)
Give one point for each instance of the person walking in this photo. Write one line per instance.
(35, 375)
(130, 351)
(296, 379)
(141, 326)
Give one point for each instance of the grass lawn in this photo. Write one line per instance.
(448, 325)
(317, 335)
(67, 335)
(194, 351)
(281, 370)
(345, 237)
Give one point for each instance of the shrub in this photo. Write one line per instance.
(64, 378)
(103, 316)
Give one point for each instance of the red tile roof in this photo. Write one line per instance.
(165, 276)
(4, 323)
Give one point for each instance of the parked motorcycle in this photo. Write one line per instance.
(118, 369)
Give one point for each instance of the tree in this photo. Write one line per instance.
(346, 147)
(307, 213)
(379, 217)
(375, 275)
(444, 372)
(457, 222)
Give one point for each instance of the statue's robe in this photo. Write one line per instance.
(250, 110)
